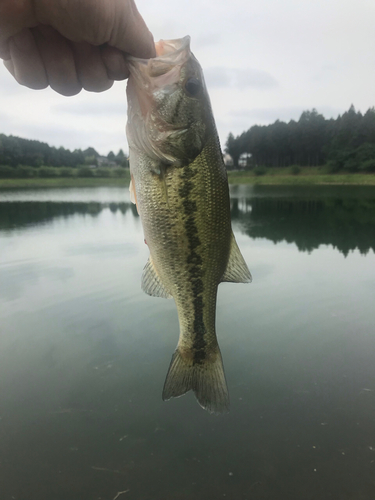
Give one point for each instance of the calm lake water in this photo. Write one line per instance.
(84, 353)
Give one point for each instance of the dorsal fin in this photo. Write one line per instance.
(151, 282)
(237, 270)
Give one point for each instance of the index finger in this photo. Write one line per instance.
(114, 22)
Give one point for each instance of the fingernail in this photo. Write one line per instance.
(152, 46)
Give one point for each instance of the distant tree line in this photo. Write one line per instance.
(18, 152)
(347, 142)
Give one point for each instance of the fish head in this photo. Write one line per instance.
(169, 111)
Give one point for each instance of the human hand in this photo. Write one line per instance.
(71, 44)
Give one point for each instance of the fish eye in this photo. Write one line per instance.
(192, 86)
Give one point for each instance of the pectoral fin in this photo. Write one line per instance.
(237, 270)
(133, 194)
(151, 282)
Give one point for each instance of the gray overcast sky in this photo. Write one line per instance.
(263, 60)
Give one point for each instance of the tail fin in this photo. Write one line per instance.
(206, 379)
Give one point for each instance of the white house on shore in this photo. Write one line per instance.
(103, 161)
(228, 160)
(244, 160)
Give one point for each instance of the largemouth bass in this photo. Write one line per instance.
(180, 186)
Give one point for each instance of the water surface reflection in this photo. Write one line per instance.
(84, 353)
(346, 224)
(345, 220)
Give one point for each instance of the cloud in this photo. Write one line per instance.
(206, 40)
(8, 85)
(92, 108)
(5, 121)
(287, 113)
(325, 73)
(239, 78)
(77, 137)
(88, 119)
(268, 115)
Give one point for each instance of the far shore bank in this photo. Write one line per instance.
(64, 182)
(308, 176)
(305, 177)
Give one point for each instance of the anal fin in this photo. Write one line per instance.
(151, 282)
(237, 270)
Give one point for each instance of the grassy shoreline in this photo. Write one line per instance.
(304, 178)
(280, 176)
(62, 182)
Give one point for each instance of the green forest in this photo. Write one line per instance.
(346, 143)
(29, 158)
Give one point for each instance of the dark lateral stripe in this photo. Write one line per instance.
(194, 261)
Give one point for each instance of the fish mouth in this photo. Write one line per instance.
(165, 67)
(161, 72)
(172, 48)
(150, 81)
(167, 51)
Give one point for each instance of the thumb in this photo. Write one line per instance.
(130, 33)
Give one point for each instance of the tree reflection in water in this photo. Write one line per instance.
(346, 223)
